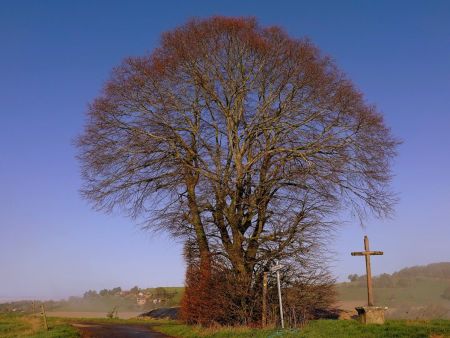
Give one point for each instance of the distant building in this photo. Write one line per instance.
(141, 300)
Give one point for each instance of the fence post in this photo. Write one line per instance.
(264, 300)
(44, 317)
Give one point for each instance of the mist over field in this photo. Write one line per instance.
(418, 292)
(136, 300)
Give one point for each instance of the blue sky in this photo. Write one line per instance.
(54, 58)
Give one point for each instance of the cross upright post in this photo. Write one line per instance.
(367, 253)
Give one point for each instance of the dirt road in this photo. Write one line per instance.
(91, 314)
(116, 331)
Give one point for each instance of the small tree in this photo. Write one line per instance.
(116, 290)
(90, 294)
(113, 314)
(353, 277)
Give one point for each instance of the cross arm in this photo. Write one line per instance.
(367, 253)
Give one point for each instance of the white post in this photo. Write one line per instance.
(279, 298)
(276, 269)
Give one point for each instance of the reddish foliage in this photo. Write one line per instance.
(203, 301)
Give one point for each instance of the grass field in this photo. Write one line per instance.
(423, 291)
(412, 287)
(104, 301)
(29, 326)
(12, 325)
(320, 329)
(420, 299)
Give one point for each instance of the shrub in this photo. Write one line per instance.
(446, 293)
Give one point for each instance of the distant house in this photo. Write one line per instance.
(141, 300)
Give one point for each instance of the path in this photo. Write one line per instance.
(117, 331)
(91, 314)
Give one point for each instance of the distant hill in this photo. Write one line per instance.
(435, 270)
(418, 291)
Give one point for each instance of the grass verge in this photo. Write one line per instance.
(319, 329)
(13, 325)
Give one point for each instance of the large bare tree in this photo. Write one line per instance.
(238, 138)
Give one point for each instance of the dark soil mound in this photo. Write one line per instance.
(162, 313)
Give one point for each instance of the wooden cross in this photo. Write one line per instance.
(367, 253)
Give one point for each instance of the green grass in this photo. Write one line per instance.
(319, 329)
(13, 325)
(330, 328)
(29, 326)
(60, 331)
(187, 331)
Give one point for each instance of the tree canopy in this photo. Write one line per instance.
(238, 138)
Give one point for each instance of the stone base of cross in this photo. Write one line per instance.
(371, 314)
